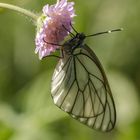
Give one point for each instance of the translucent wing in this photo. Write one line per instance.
(80, 88)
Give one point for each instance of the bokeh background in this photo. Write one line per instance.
(27, 111)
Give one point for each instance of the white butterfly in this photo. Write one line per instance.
(80, 87)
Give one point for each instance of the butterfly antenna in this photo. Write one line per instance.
(73, 28)
(106, 32)
(72, 35)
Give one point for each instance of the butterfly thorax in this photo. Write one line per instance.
(74, 43)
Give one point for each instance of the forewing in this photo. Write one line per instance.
(80, 88)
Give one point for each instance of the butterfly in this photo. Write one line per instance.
(80, 86)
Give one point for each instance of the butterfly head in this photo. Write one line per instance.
(78, 39)
(80, 36)
(74, 43)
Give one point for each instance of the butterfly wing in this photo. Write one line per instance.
(80, 88)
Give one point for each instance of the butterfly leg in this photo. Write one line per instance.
(51, 43)
(62, 53)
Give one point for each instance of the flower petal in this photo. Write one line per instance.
(52, 30)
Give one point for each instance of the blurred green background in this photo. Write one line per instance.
(27, 111)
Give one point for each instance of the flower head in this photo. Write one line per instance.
(53, 26)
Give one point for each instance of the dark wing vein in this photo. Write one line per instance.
(62, 77)
(87, 70)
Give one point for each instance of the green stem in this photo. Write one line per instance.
(20, 10)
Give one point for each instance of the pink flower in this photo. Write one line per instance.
(52, 25)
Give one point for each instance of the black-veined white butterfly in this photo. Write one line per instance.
(80, 87)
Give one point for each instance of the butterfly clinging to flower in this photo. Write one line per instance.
(80, 87)
(79, 84)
